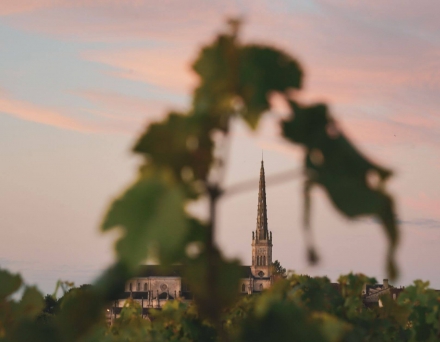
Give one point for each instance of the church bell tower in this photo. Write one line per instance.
(261, 238)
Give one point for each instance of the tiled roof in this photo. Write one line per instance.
(177, 271)
(159, 271)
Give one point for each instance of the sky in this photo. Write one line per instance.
(80, 80)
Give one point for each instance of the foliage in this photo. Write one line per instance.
(299, 308)
(422, 310)
(184, 159)
(354, 184)
(278, 270)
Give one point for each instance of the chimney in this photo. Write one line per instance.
(385, 284)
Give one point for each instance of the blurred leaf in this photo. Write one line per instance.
(31, 303)
(213, 281)
(236, 79)
(331, 327)
(151, 213)
(182, 143)
(217, 66)
(315, 293)
(9, 283)
(264, 69)
(393, 311)
(278, 320)
(423, 305)
(354, 184)
(351, 286)
(81, 310)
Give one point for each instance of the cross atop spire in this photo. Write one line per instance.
(261, 231)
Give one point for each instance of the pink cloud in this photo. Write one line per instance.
(58, 118)
(166, 68)
(359, 59)
(30, 112)
(26, 6)
(361, 64)
(119, 20)
(124, 107)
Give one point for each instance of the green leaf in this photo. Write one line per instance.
(81, 310)
(264, 69)
(236, 79)
(31, 303)
(331, 327)
(217, 66)
(393, 311)
(182, 143)
(213, 281)
(353, 183)
(152, 217)
(280, 320)
(351, 286)
(9, 283)
(315, 293)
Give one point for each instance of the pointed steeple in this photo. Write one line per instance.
(262, 242)
(261, 231)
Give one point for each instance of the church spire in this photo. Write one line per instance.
(261, 231)
(262, 241)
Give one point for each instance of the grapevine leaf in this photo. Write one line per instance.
(31, 303)
(217, 67)
(180, 142)
(346, 175)
(152, 217)
(213, 281)
(236, 78)
(9, 283)
(262, 70)
(393, 311)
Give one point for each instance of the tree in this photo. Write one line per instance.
(50, 304)
(278, 270)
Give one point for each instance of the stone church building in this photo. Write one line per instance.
(152, 288)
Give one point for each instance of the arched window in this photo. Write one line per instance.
(264, 260)
(261, 287)
(131, 287)
(243, 288)
(139, 287)
(145, 287)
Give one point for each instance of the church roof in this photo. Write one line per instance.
(159, 271)
(177, 271)
(145, 295)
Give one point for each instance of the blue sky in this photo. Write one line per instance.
(80, 80)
